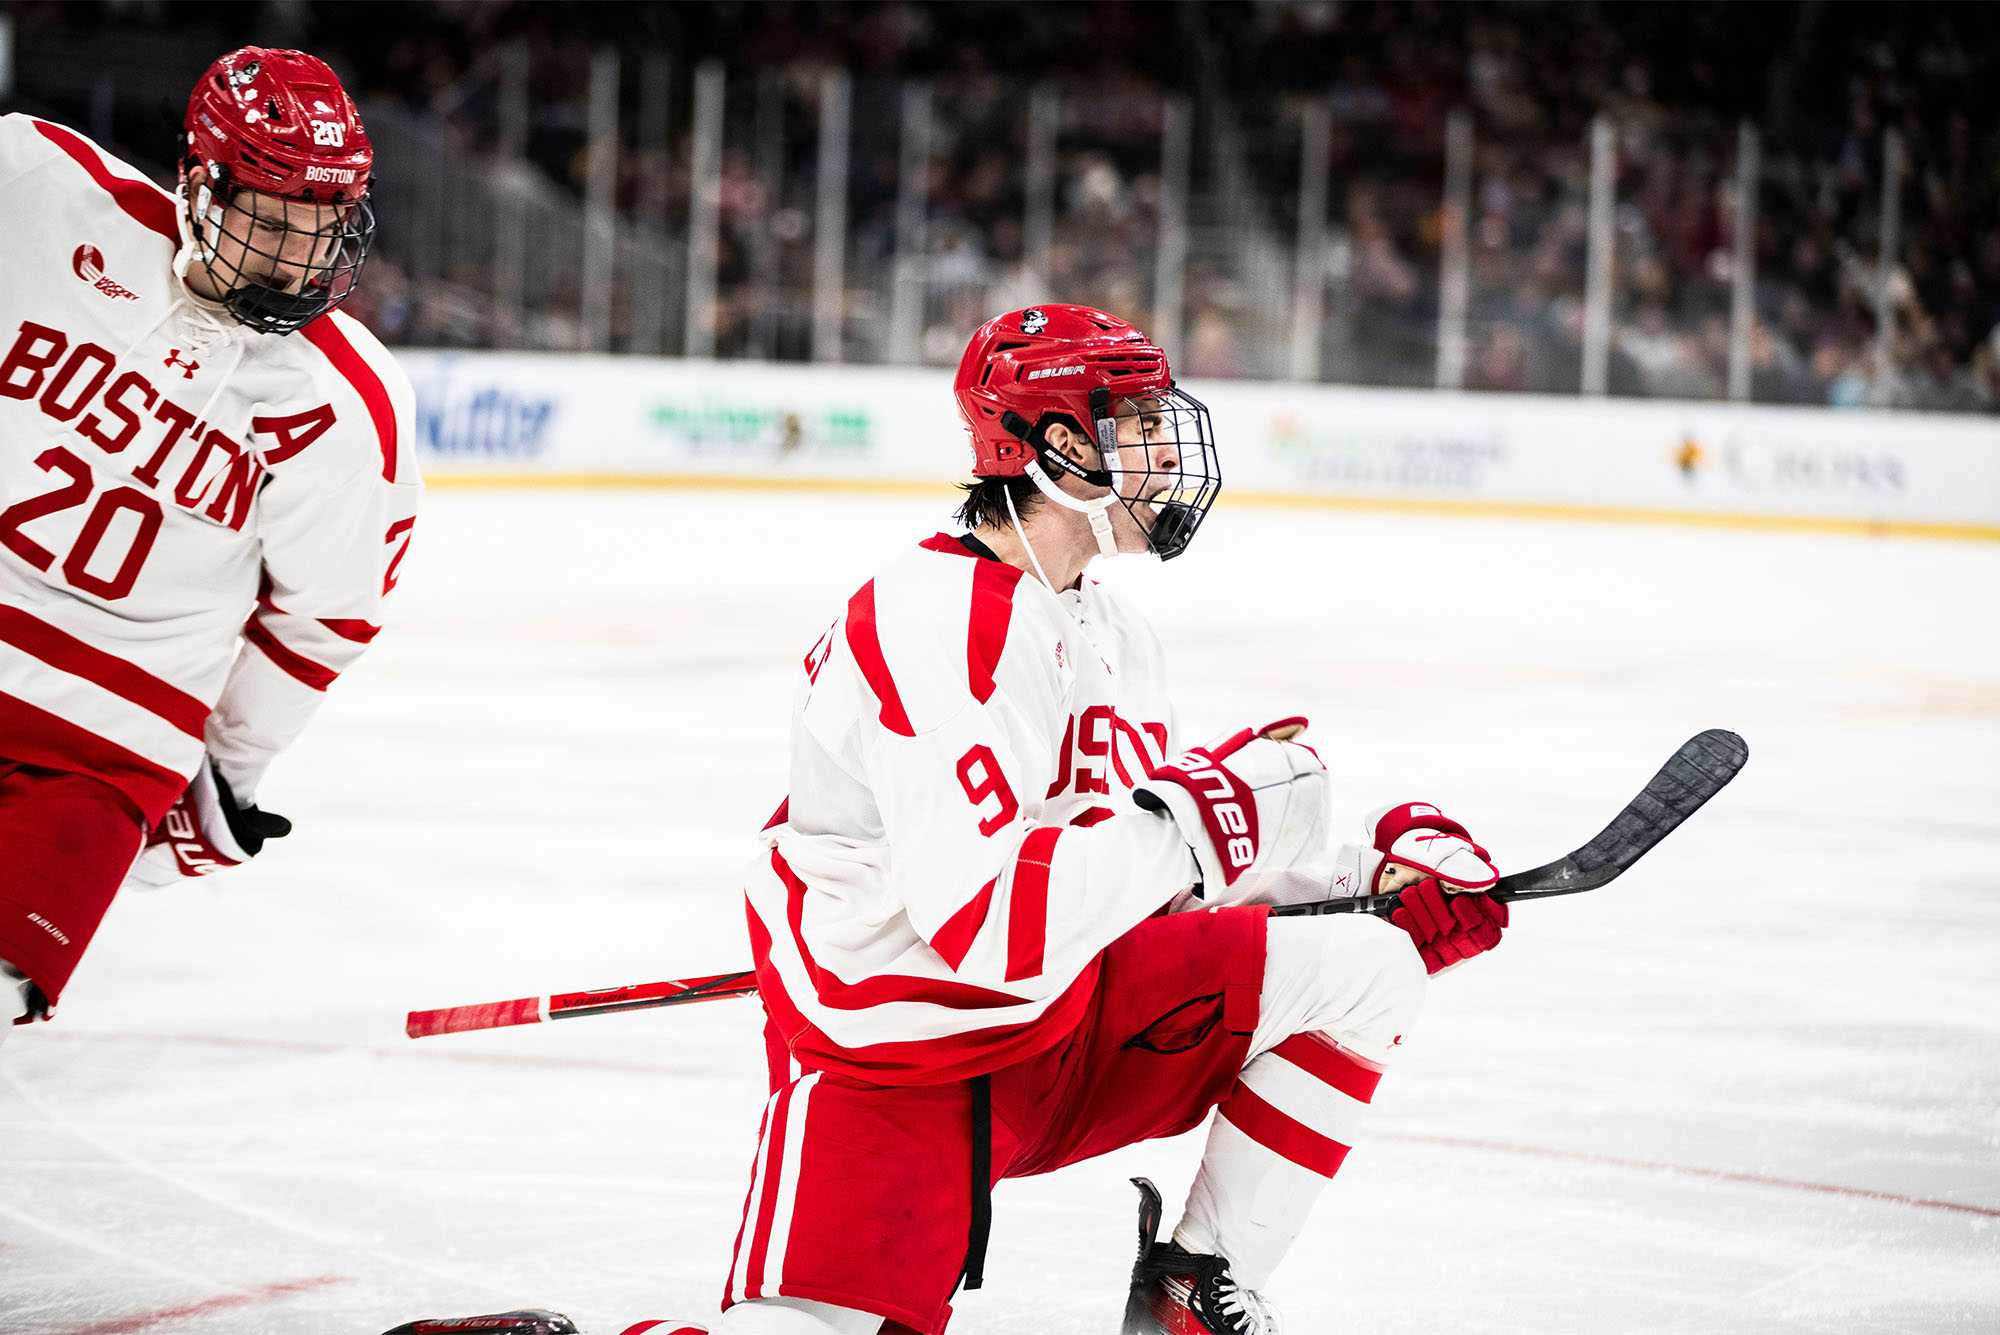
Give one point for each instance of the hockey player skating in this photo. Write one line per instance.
(1005, 921)
(205, 491)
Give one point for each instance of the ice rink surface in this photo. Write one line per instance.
(1754, 1087)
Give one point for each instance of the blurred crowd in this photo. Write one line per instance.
(1821, 84)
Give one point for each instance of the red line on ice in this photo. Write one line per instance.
(264, 1293)
(1688, 1170)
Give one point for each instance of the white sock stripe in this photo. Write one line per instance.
(739, 1277)
(771, 1283)
(1305, 1098)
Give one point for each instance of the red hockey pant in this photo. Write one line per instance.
(66, 842)
(861, 1194)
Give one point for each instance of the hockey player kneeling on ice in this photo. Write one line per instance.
(1004, 922)
(958, 919)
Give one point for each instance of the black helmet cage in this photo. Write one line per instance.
(1193, 483)
(339, 250)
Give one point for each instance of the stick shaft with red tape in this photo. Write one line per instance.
(568, 1005)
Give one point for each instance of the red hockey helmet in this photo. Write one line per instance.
(1085, 369)
(280, 124)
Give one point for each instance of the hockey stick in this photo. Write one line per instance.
(569, 1005)
(1692, 775)
(1698, 771)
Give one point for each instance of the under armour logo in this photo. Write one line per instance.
(1396, 1042)
(187, 368)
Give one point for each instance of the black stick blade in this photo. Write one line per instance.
(1698, 771)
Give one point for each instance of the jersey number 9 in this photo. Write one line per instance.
(979, 774)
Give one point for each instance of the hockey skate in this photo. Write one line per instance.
(526, 1321)
(1177, 1292)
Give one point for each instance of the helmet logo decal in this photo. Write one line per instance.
(1045, 372)
(246, 75)
(1033, 321)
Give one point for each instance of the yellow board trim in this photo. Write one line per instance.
(1894, 528)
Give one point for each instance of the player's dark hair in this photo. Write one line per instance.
(986, 500)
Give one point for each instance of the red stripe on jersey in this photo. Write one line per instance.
(1331, 1065)
(33, 736)
(866, 646)
(64, 652)
(781, 815)
(143, 200)
(1281, 1133)
(955, 938)
(992, 609)
(917, 1061)
(294, 664)
(880, 988)
(1094, 816)
(361, 632)
(325, 335)
(1028, 903)
(944, 542)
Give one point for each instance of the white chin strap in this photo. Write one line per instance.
(1098, 511)
(192, 245)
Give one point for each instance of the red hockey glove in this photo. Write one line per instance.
(1412, 840)
(1255, 797)
(1448, 929)
(203, 831)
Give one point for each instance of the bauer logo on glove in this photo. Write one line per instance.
(1254, 798)
(204, 831)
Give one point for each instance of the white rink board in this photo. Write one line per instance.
(509, 414)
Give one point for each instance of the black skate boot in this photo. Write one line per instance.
(1178, 1292)
(527, 1321)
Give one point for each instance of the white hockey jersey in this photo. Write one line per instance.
(198, 523)
(959, 843)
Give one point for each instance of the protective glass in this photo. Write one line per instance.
(1169, 501)
(326, 261)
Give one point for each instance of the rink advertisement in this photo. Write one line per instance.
(533, 417)
(1627, 456)
(528, 416)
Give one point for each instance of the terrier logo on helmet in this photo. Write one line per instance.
(1033, 321)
